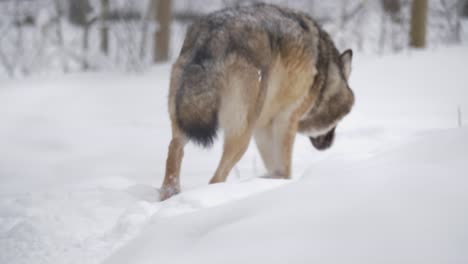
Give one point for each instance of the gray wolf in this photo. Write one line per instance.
(258, 71)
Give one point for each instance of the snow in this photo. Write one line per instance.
(412, 213)
(82, 155)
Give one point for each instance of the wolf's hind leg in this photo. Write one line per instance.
(233, 150)
(241, 99)
(171, 184)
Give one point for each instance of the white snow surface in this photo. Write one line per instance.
(82, 156)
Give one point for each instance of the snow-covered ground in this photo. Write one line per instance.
(81, 157)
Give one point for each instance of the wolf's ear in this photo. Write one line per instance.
(346, 59)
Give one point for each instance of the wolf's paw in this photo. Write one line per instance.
(167, 192)
(215, 180)
(275, 175)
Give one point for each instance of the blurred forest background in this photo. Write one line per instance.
(62, 36)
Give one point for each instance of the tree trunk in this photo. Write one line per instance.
(78, 11)
(85, 47)
(144, 30)
(391, 6)
(59, 33)
(393, 9)
(105, 26)
(418, 23)
(162, 10)
(464, 8)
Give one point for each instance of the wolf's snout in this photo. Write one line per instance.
(325, 141)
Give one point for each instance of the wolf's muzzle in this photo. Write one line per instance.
(325, 141)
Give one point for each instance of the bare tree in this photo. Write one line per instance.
(452, 17)
(105, 26)
(35, 35)
(348, 24)
(393, 26)
(463, 8)
(392, 8)
(144, 30)
(59, 33)
(163, 14)
(418, 23)
(78, 11)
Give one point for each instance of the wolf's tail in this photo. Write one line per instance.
(197, 104)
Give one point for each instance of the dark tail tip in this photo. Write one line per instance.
(202, 134)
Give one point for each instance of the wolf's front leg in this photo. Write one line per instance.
(284, 133)
(264, 141)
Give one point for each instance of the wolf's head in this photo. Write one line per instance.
(334, 101)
